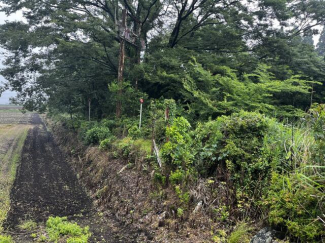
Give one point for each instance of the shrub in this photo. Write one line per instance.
(294, 204)
(159, 178)
(184, 197)
(316, 120)
(180, 212)
(73, 124)
(124, 146)
(6, 239)
(97, 134)
(84, 127)
(246, 145)
(134, 132)
(108, 123)
(106, 143)
(176, 177)
(177, 152)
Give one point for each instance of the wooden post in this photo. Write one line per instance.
(121, 66)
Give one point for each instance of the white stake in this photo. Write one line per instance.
(141, 101)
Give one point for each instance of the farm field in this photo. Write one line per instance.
(13, 115)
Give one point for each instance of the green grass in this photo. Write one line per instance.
(59, 228)
(28, 225)
(144, 145)
(17, 154)
(8, 168)
(6, 239)
(241, 233)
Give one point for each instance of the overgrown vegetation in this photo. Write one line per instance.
(267, 167)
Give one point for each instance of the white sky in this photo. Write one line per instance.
(4, 98)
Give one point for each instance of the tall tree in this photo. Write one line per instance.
(77, 42)
(321, 43)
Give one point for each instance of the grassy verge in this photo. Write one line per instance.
(14, 139)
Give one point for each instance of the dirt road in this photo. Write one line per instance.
(45, 185)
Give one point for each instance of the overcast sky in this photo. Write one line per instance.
(4, 99)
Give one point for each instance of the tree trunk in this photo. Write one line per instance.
(121, 67)
(138, 32)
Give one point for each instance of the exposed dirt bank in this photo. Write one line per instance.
(125, 188)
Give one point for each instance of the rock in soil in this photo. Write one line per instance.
(265, 235)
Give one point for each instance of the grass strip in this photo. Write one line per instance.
(8, 168)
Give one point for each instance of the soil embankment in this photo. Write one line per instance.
(123, 184)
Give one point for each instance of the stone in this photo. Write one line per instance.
(265, 235)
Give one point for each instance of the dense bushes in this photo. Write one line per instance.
(96, 135)
(245, 146)
(266, 167)
(246, 149)
(177, 151)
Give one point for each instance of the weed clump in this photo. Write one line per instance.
(6, 239)
(28, 225)
(58, 227)
(241, 234)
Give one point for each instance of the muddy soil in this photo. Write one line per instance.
(45, 185)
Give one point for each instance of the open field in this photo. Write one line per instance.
(10, 108)
(13, 115)
(15, 118)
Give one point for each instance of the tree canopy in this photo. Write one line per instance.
(212, 57)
